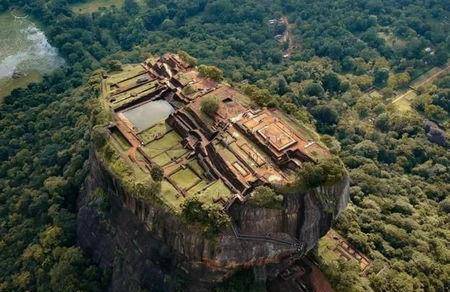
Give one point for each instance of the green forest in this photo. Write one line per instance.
(347, 63)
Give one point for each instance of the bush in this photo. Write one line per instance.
(326, 172)
(445, 205)
(187, 58)
(314, 89)
(210, 106)
(112, 65)
(157, 173)
(100, 200)
(211, 72)
(266, 197)
(211, 216)
(99, 137)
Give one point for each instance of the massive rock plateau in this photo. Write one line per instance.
(148, 247)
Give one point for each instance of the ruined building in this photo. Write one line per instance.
(157, 119)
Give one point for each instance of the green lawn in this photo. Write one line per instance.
(162, 159)
(159, 146)
(195, 166)
(404, 104)
(419, 80)
(157, 130)
(197, 188)
(170, 196)
(121, 141)
(185, 178)
(215, 191)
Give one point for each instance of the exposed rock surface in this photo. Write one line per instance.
(148, 247)
(434, 133)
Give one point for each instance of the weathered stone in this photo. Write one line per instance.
(147, 246)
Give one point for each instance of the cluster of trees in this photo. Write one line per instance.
(400, 183)
(211, 72)
(43, 148)
(400, 189)
(326, 172)
(210, 216)
(266, 197)
(434, 100)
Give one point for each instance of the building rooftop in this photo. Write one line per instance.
(158, 120)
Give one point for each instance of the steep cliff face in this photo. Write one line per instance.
(148, 247)
(304, 218)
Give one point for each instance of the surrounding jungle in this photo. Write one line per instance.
(346, 68)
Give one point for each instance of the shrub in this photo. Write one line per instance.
(266, 197)
(326, 172)
(314, 89)
(100, 200)
(187, 58)
(211, 72)
(99, 137)
(113, 65)
(211, 216)
(210, 106)
(157, 173)
(445, 205)
(187, 90)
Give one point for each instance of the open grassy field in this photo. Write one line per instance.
(158, 146)
(185, 178)
(215, 191)
(157, 130)
(94, 5)
(405, 104)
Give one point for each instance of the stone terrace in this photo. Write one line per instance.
(158, 121)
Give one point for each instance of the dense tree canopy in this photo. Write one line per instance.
(400, 180)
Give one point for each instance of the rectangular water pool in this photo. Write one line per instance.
(145, 115)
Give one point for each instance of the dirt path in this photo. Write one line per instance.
(287, 37)
(429, 79)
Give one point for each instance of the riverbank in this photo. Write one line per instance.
(25, 54)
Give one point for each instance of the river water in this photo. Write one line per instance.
(25, 53)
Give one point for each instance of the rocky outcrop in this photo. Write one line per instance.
(148, 247)
(434, 133)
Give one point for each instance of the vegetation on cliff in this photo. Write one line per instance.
(211, 72)
(265, 197)
(325, 173)
(400, 188)
(211, 217)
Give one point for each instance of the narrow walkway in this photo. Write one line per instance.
(297, 245)
(432, 77)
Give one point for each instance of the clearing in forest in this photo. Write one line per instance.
(94, 5)
(404, 101)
